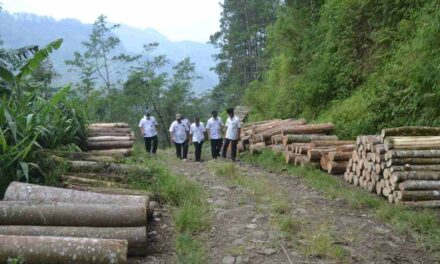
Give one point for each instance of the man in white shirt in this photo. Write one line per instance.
(188, 124)
(179, 136)
(149, 128)
(197, 131)
(215, 127)
(233, 130)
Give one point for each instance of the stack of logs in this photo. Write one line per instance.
(54, 225)
(402, 164)
(110, 139)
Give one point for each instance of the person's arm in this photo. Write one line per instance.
(190, 135)
(171, 134)
(141, 127)
(239, 129)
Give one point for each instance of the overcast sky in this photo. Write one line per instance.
(176, 19)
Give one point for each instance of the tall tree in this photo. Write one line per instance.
(242, 41)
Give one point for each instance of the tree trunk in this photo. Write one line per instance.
(401, 176)
(410, 131)
(413, 161)
(339, 156)
(392, 154)
(55, 250)
(336, 167)
(33, 193)
(136, 236)
(418, 195)
(122, 152)
(332, 143)
(110, 145)
(419, 185)
(69, 214)
(310, 129)
(412, 143)
(288, 139)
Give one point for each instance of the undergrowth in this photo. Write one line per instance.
(422, 225)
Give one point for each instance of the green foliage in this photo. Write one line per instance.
(29, 123)
(347, 62)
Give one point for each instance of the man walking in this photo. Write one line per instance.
(179, 136)
(186, 146)
(233, 130)
(149, 128)
(197, 131)
(215, 127)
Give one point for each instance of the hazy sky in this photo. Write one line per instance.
(177, 19)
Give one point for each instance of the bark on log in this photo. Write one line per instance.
(135, 236)
(108, 138)
(90, 166)
(412, 143)
(335, 143)
(413, 161)
(418, 195)
(109, 145)
(267, 134)
(91, 182)
(325, 128)
(415, 168)
(419, 185)
(98, 130)
(55, 250)
(423, 204)
(257, 148)
(106, 190)
(109, 133)
(85, 156)
(336, 167)
(401, 176)
(68, 214)
(288, 139)
(123, 152)
(339, 156)
(412, 154)
(109, 125)
(33, 193)
(410, 131)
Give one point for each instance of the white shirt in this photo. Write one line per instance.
(179, 131)
(215, 127)
(149, 126)
(197, 132)
(186, 121)
(232, 126)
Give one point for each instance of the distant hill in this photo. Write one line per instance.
(17, 30)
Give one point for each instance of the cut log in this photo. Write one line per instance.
(277, 130)
(288, 139)
(410, 131)
(68, 214)
(98, 130)
(408, 167)
(412, 143)
(85, 156)
(418, 195)
(108, 138)
(91, 182)
(310, 129)
(334, 144)
(413, 161)
(113, 152)
(109, 125)
(108, 133)
(419, 185)
(55, 250)
(423, 204)
(339, 156)
(290, 157)
(257, 148)
(99, 167)
(136, 236)
(412, 154)
(33, 193)
(400, 176)
(336, 167)
(110, 145)
(105, 190)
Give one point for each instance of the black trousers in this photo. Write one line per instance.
(233, 148)
(181, 149)
(198, 150)
(151, 144)
(216, 146)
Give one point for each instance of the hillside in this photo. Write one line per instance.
(26, 29)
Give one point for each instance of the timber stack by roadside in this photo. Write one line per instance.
(402, 164)
(116, 139)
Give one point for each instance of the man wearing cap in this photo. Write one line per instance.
(233, 130)
(215, 127)
(149, 128)
(197, 131)
(179, 136)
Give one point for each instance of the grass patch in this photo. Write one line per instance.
(190, 211)
(423, 225)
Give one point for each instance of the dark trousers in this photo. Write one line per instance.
(151, 144)
(198, 150)
(181, 149)
(216, 146)
(233, 148)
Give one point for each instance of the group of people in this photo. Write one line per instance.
(183, 134)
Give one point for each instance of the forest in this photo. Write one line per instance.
(364, 65)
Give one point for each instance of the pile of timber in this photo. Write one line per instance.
(405, 166)
(54, 225)
(115, 139)
(242, 112)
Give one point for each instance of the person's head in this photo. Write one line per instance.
(178, 117)
(214, 114)
(147, 113)
(230, 112)
(197, 120)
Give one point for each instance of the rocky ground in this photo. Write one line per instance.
(244, 229)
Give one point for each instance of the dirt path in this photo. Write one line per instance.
(243, 229)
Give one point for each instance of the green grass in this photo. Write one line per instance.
(423, 225)
(190, 211)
